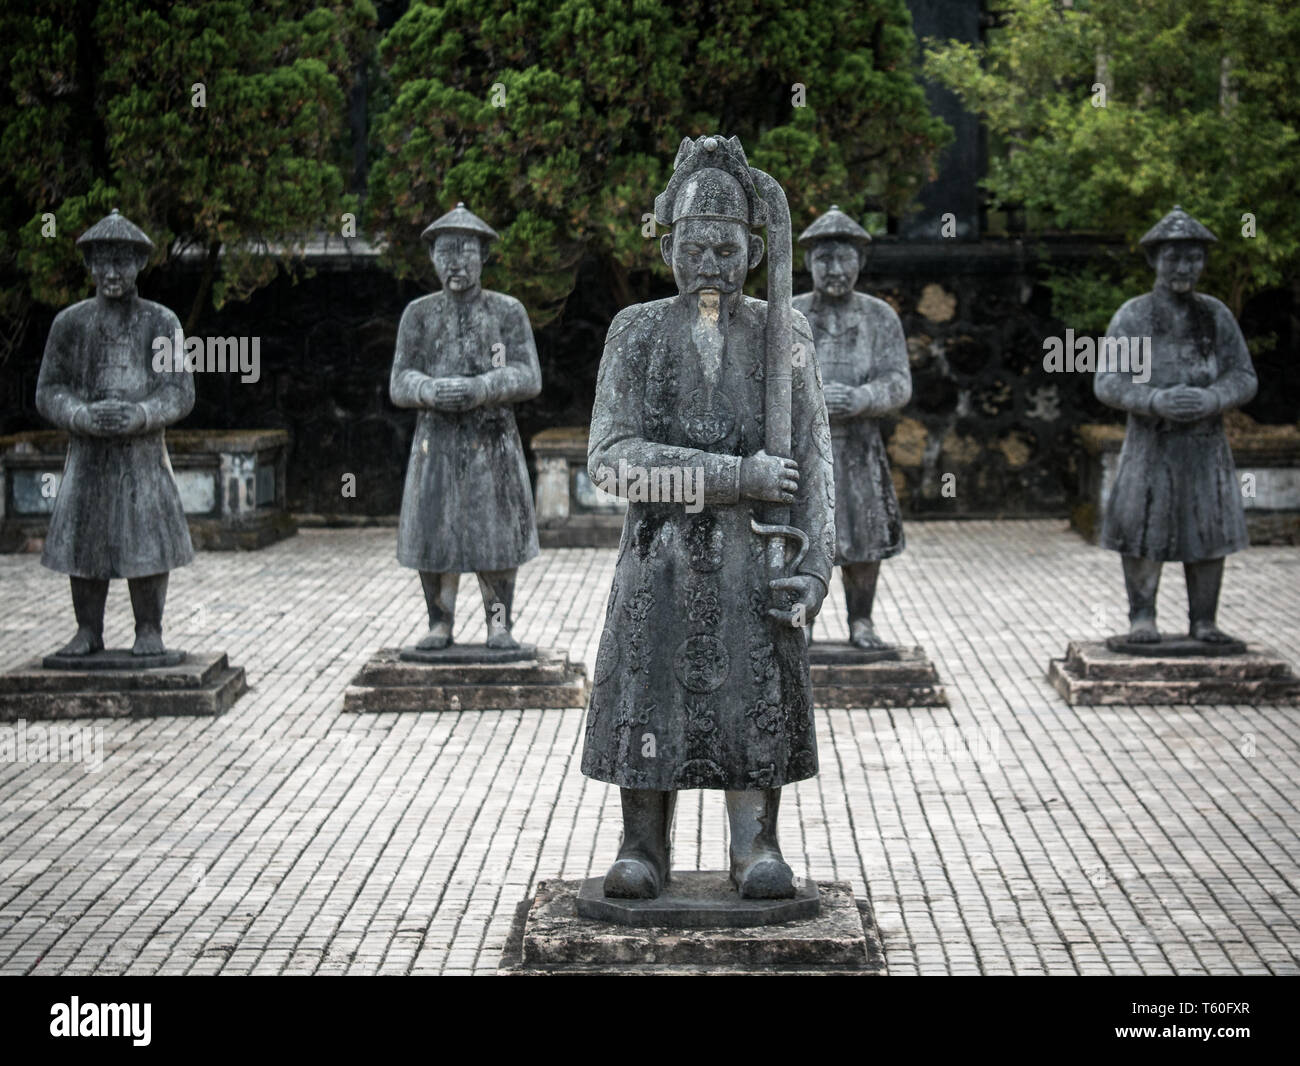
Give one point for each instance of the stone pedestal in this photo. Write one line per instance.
(846, 676)
(467, 678)
(232, 485)
(550, 937)
(202, 683)
(1093, 673)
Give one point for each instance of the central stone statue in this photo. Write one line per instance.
(702, 678)
(465, 355)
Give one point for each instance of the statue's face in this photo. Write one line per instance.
(1178, 265)
(834, 266)
(709, 253)
(458, 259)
(115, 268)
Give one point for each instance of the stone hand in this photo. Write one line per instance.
(115, 418)
(1184, 403)
(806, 601)
(769, 477)
(458, 393)
(839, 399)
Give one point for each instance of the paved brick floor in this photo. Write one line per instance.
(1006, 834)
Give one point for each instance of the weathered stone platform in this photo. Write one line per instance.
(846, 676)
(1093, 673)
(696, 899)
(392, 682)
(203, 683)
(551, 938)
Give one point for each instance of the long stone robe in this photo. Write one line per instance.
(118, 512)
(1176, 494)
(694, 686)
(467, 504)
(865, 347)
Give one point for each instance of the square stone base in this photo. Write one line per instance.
(549, 938)
(389, 683)
(845, 676)
(1093, 674)
(203, 684)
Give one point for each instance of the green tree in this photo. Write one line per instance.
(1200, 108)
(98, 104)
(558, 121)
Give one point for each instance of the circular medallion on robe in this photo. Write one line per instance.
(707, 417)
(701, 663)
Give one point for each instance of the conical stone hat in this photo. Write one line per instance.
(1178, 225)
(834, 225)
(459, 220)
(115, 228)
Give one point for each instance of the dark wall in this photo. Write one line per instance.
(975, 315)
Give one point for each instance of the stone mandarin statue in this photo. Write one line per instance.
(1176, 495)
(465, 355)
(702, 679)
(118, 513)
(863, 359)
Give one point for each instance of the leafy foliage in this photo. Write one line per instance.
(597, 95)
(1201, 107)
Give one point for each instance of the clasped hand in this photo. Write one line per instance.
(1184, 403)
(453, 393)
(110, 418)
(844, 401)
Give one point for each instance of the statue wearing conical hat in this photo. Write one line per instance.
(702, 678)
(1176, 495)
(118, 513)
(863, 358)
(465, 356)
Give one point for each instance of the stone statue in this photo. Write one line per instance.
(1176, 495)
(702, 678)
(465, 355)
(863, 359)
(118, 512)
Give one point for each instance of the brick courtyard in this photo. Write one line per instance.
(1008, 833)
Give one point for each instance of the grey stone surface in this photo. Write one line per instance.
(696, 899)
(203, 684)
(391, 682)
(845, 675)
(456, 654)
(1168, 647)
(1094, 673)
(555, 939)
(113, 659)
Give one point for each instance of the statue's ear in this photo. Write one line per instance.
(755, 251)
(666, 247)
(863, 251)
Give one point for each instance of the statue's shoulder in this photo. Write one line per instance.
(424, 308)
(803, 302)
(161, 313)
(1136, 308)
(1216, 306)
(502, 303)
(639, 320)
(873, 306)
(75, 316)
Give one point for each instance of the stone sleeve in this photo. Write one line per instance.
(890, 385)
(1116, 388)
(1237, 384)
(172, 395)
(406, 381)
(617, 440)
(521, 378)
(814, 506)
(56, 396)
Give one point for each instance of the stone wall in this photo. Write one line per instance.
(983, 409)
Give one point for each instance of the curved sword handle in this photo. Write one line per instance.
(791, 532)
